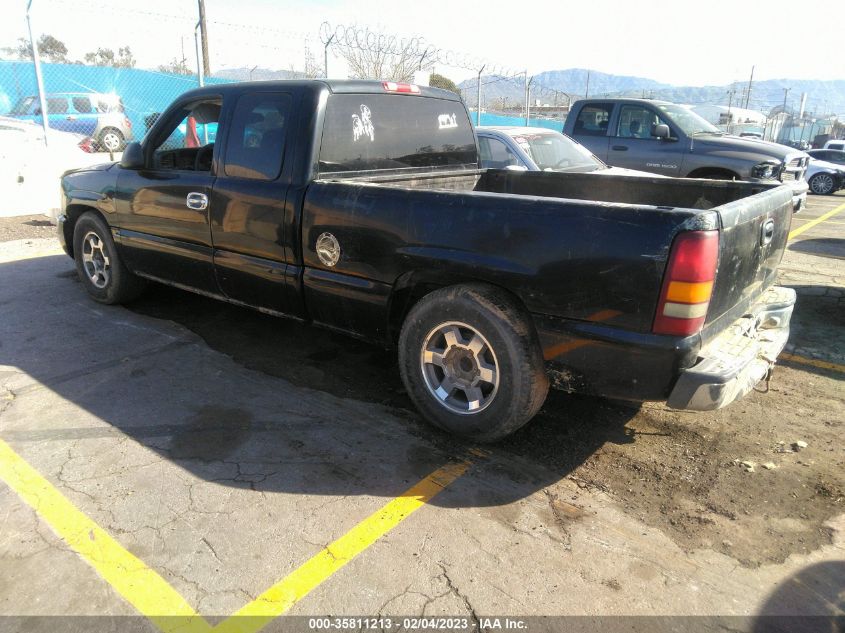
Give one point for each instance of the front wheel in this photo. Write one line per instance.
(471, 362)
(822, 184)
(98, 264)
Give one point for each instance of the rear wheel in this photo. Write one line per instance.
(471, 362)
(98, 264)
(111, 140)
(822, 184)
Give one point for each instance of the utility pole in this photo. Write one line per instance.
(478, 96)
(748, 94)
(587, 91)
(39, 79)
(730, 102)
(206, 65)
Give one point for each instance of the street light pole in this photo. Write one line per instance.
(478, 97)
(326, 55)
(39, 80)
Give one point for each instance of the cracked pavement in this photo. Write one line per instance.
(224, 479)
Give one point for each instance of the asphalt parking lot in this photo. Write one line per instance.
(180, 461)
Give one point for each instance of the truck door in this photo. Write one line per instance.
(633, 146)
(248, 206)
(591, 127)
(163, 209)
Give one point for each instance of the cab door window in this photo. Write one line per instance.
(593, 119)
(255, 146)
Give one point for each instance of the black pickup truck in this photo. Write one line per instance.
(360, 207)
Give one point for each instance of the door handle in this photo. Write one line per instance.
(197, 201)
(620, 148)
(71, 118)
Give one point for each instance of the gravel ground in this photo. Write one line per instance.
(26, 227)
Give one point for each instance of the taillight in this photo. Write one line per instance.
(127, 123)
(688, 283)
(392, 86)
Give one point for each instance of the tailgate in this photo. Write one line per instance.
(752, 239)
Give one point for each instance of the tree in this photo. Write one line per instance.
(106, 57)
(397, 63)
(176, 67)
(439, 81)
(49, 49)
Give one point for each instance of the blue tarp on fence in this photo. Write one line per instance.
(143, 91)
(518, 121)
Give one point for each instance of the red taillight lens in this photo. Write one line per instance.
(127, 123)
(392, 86)
(687, 284)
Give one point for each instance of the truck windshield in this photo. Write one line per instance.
(25, 105)
(366, 132)
(689, 122)
(551, 150)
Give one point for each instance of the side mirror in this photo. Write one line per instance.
(133, 157)
(661, 131)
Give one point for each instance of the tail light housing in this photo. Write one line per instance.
(127, 123)
(687, 284)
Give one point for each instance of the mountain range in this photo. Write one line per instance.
(554, 87)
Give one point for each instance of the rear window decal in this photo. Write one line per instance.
(363, 125)
(447, 121)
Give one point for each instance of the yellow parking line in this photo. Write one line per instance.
(821, 364)
(143, 588)
(153, 597)
(279, 598)
(796, 232)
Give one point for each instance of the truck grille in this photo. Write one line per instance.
(794, 169)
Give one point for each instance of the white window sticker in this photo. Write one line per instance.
(447, 121)
(362, 125)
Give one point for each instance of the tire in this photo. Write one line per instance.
(98, 264)
(822, 184)
(471, 362)
(111, 140)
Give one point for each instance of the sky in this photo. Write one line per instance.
(681, 42)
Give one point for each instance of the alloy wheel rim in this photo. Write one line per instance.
(822, 183)
(460, 368)
(111, 141)
(95, 260)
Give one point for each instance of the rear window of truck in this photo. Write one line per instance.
(366, 132)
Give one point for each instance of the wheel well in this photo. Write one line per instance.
(73, 213)
(713, 173)
(412, 287)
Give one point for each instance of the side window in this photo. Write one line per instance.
(593, 119)
(256, 142)
(82, 105)
(495, 154)
(637, 122)
(57, 105)
(190, 142)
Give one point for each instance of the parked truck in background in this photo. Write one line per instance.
(360, 207)
(665, 138)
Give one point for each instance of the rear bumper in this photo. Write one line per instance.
(734, 362)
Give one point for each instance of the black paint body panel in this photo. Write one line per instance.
(585, 254)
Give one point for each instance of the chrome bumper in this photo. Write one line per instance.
(733, 363)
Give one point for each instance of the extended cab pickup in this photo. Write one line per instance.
(360, 207)
(669, 139)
